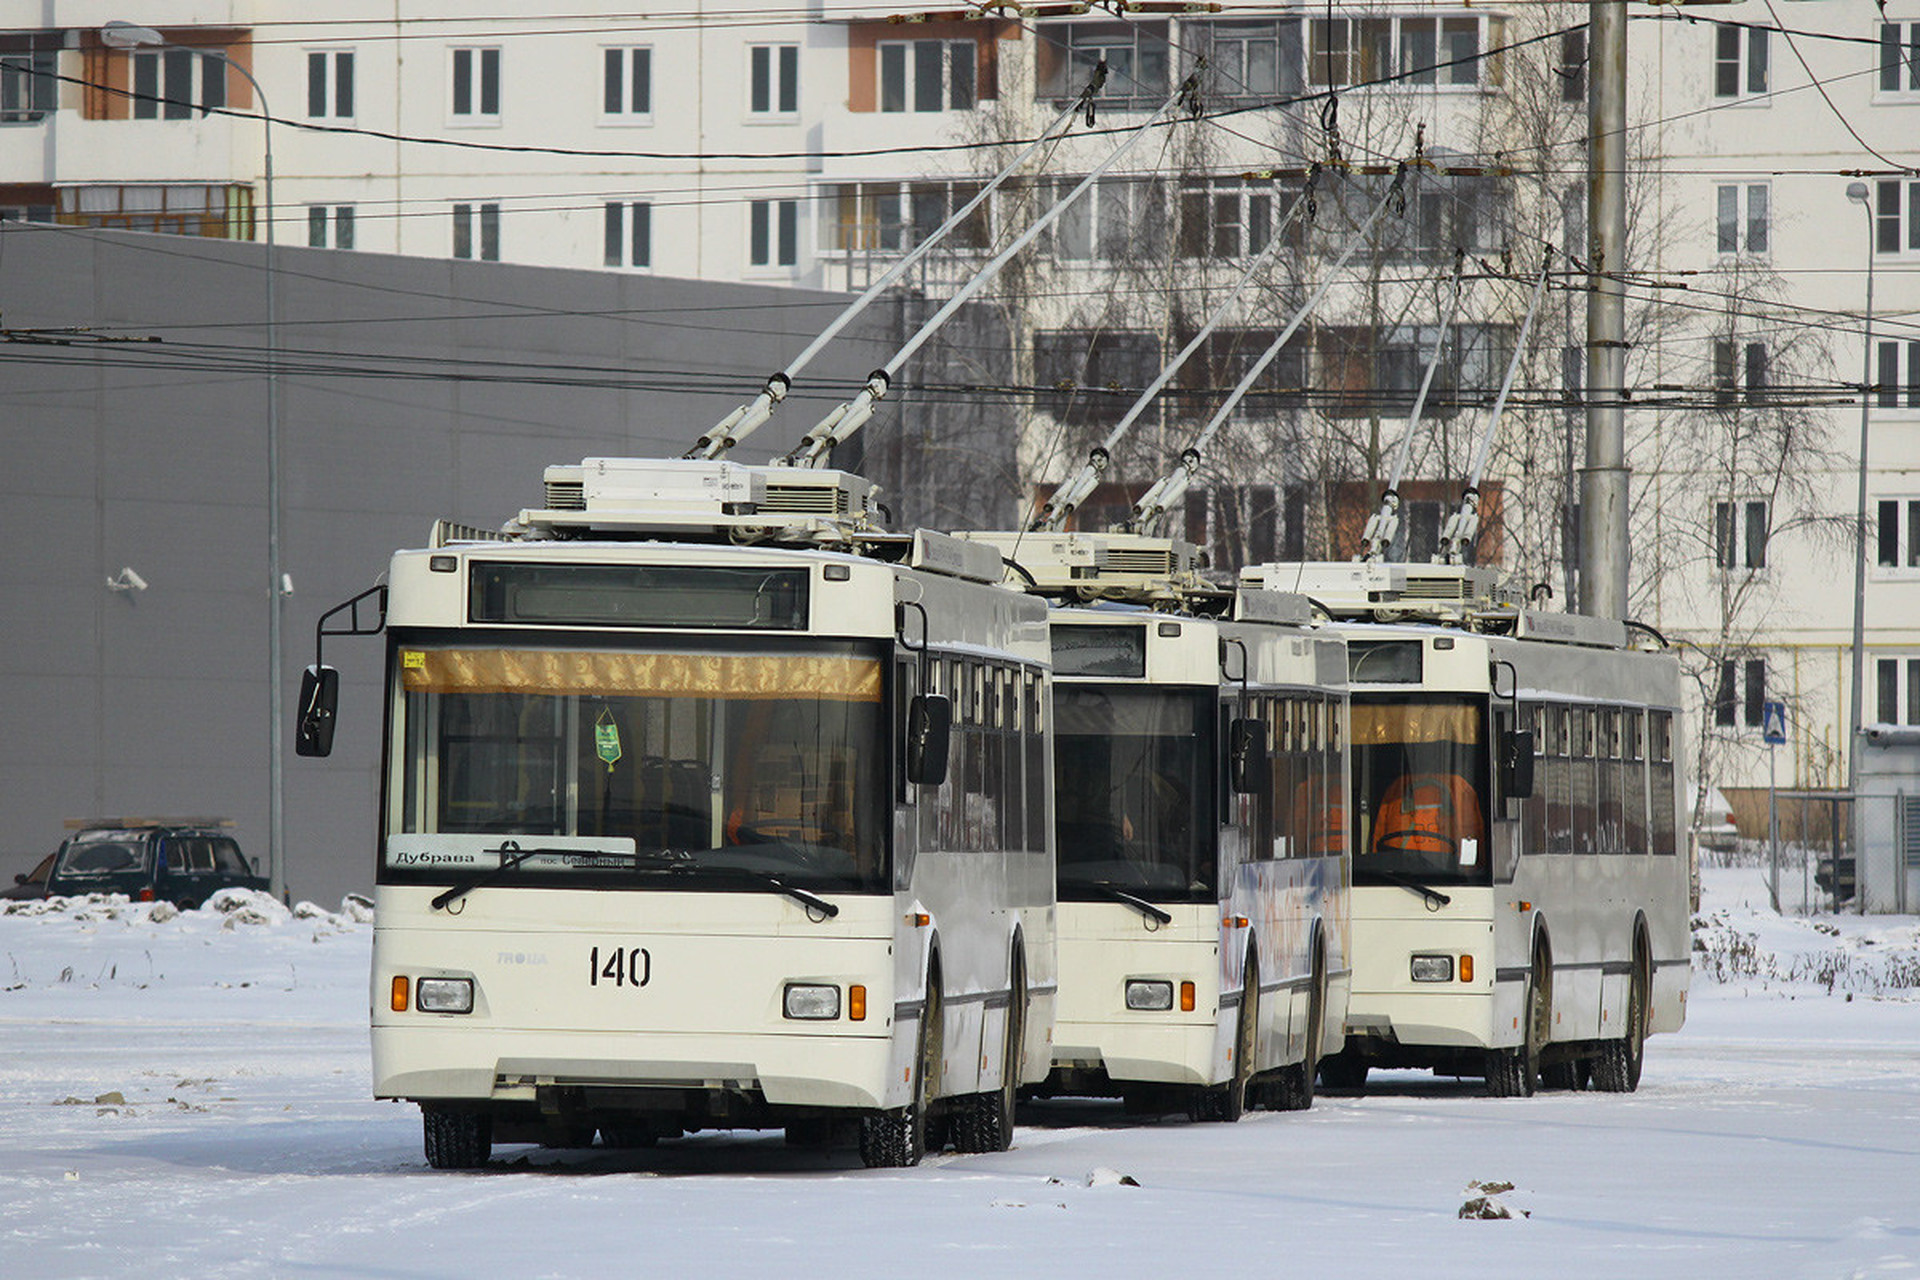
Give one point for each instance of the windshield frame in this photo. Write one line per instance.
(629, 863)
(1202, 784)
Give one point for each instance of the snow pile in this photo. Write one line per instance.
(1740, 941)
(233, 908)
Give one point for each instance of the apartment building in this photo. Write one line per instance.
(760, 144)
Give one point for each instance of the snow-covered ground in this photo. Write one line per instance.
(189, 1097)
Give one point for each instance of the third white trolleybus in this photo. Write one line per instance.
(1520, 901)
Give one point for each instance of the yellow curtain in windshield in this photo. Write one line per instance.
(1378, 726)
(836, 677)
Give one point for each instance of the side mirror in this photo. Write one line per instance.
(1247, 770)
(319, 703)
(1516, 770)
(929, 737)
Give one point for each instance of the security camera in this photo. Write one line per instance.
(127, 580)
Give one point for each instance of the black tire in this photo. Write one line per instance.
(1293, 1085)
(1226, 1103)
(897, 1139)
(983, 1122)
(1343, 1070)
(1616, 1068)
(1564, 1075)
(1515, 1072)
(456, 1139)
(629, 1137)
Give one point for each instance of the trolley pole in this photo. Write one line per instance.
(1603, 482)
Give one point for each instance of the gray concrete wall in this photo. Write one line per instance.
(412, 389)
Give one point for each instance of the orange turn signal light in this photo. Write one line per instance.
(919, 919)
(1186, 997)
(857, 1003)
(1466, 968)
(399, 993)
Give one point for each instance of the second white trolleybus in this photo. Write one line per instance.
(1200, 782)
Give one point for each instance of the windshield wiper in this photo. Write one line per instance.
(511, 856)
(812, 901)
(1138, 903)
(1433, 896)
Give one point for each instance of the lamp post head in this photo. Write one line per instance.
(1857, 192)
(127, 35)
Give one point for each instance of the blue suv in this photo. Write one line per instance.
(183, 861)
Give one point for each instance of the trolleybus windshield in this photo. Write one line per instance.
(710, 768)
(1419, 787)
(1132, 792)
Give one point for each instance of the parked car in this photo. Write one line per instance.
(179, 860)
(30, 884)
(1834, 875)
(1715, 822)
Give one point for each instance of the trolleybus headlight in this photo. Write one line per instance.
(1149, 996)
(812, 1001)
(1433, 968)
(443, 995)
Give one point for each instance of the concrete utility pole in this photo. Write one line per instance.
(1603, 482)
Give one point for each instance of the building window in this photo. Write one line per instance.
(476, 84)
(1740, 534)
(1225, 218)
(773, 233)
(1573, 66)
(626, 90)
(1443, 214)
(893, 217)
(928, 75)
(1738, 229)
(1894, 677)
(1739, 61)
(28, 90)
(773, 79)
(1092, 377)
(1742, 695)
(330, 226)
(1223, 361)
(630, 235)
(1896, 219)
(1135, 52)
(1891, 390)
(1249, 62)
(1118, 219)
(169, 83)
(1899, 57)
(476, 231)
(330, 84)
(1738, 366)
(1420, 51)
(1362, 370)
(219, 212)
(1897, 533)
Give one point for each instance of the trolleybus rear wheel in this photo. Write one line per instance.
(897, 1139)
(984, 1122)
(1616, 1068)
(1292, 1088)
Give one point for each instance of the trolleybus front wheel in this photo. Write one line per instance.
(1515, 1072)
(1227, 1102)
(456, 1139)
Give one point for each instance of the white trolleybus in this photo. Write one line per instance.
(1199, 781)
(703, 812)
(1520, 900)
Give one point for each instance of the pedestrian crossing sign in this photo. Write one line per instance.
(1773, 723)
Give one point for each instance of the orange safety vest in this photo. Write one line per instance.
(1427, 813)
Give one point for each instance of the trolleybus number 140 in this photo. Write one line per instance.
(619, 966)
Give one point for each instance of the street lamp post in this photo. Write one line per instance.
(127, 35)
(1858, 193)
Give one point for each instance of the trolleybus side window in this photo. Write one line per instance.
(1585, 798)
(1560, 779)
(1036, 754)
(1634, 749)
(1660, 750)
(1533, 810)
(1609, 835)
